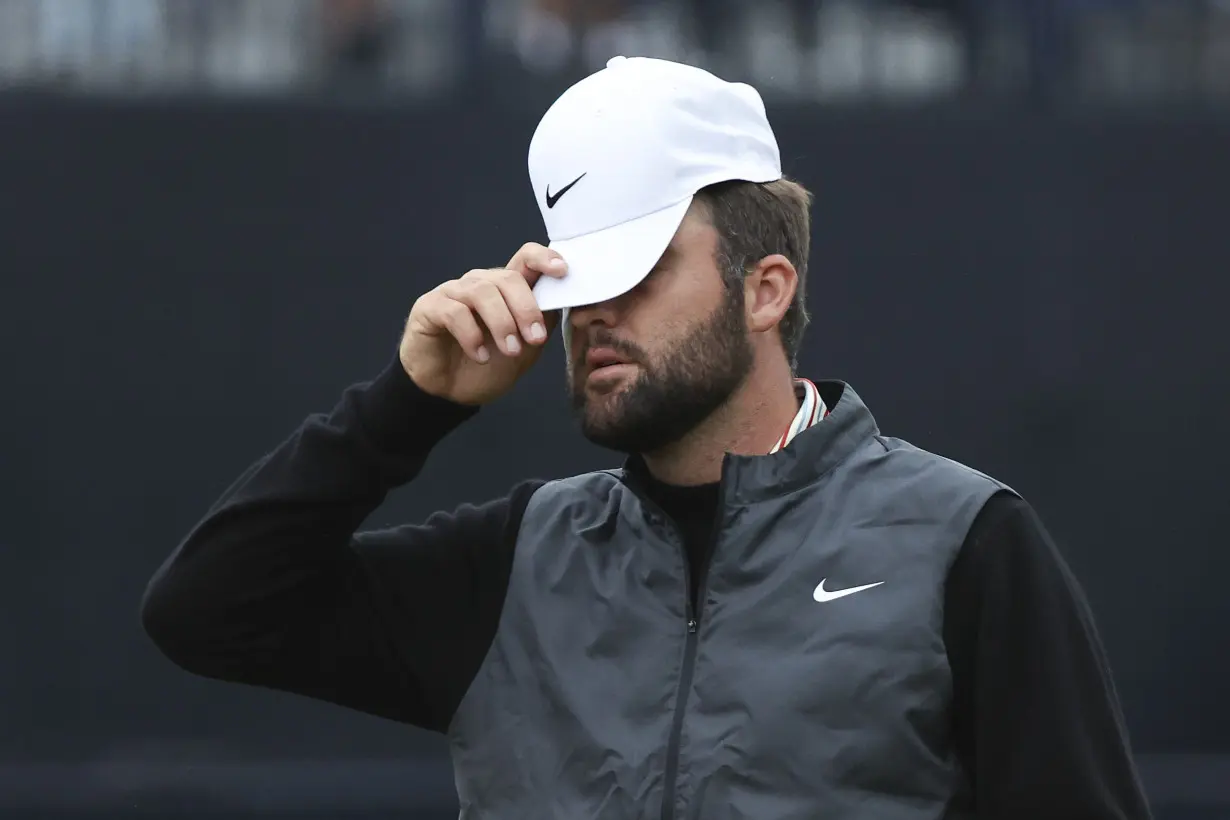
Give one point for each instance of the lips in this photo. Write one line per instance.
(599, 357)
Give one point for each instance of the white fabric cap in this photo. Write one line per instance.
(616, 160)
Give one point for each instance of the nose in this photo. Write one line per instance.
(600, 313)
(580, 321)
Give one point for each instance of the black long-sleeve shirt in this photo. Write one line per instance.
(274, 588)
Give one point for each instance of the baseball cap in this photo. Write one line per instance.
(617, 158)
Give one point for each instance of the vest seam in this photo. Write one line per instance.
(491, 646)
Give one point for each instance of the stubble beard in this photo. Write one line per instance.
(674, 393)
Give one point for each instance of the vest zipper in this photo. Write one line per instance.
(689, 653)
(681, 698)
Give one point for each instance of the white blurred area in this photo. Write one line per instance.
(837, 49)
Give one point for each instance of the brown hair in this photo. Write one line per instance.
(755, 220)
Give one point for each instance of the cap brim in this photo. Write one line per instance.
(609, 263)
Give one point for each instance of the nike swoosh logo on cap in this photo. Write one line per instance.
(551, 200)
(823, 595)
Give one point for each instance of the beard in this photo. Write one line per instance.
(672, 395)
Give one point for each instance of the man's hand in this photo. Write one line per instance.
(470, 339)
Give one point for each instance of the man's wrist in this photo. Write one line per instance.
(400, 416)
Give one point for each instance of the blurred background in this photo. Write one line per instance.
(215, 214)
(1092, 51)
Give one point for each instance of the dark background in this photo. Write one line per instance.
(1039, 293)
(1042, 298)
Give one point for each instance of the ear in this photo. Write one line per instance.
(768, 291)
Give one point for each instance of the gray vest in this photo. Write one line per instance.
(601, 697)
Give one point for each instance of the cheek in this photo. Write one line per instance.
(660, 342)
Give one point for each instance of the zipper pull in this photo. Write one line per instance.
(691, 626)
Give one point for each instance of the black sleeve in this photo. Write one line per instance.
(274, 588)
(1037, 722)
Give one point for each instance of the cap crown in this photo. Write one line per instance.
(641, 135)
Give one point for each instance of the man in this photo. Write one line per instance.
(772, 610)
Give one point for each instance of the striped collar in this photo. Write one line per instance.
(811, 410)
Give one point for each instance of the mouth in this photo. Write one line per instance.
(606, 367)
(599, 358)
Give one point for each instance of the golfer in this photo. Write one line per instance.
(771, 611)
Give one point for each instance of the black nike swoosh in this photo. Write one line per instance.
(551, 200)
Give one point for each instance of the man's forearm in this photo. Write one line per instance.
(262, 586)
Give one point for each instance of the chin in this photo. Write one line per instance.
(601, 390)
(602, 414)
(599, 415)
(608, 435)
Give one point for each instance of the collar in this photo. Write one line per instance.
(813, 452)
(813, 449)
(811, 409)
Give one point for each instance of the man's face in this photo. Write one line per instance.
(647, 367)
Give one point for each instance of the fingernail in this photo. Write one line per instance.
(513, 346)
(537, 333)
(483, 355)
(558, 263)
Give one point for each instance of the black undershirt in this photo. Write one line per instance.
(694, 512)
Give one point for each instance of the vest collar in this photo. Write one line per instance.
(810, 454)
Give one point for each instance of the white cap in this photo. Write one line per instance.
(617, 158)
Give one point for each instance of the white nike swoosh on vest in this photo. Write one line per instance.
(822, 595)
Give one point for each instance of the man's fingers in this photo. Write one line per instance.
(518, 300)
(497, 306)
(522, 305)
(534, 260)
(459, 320)
(479, 291)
